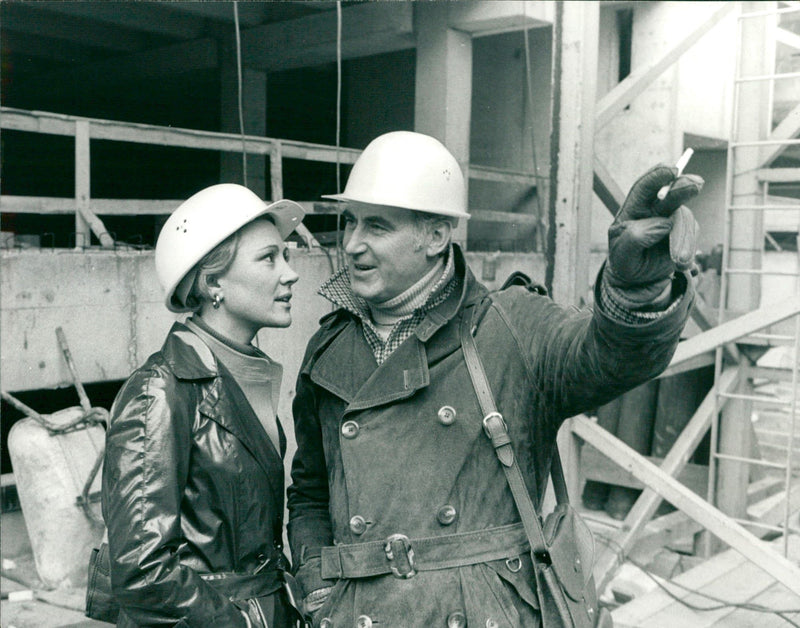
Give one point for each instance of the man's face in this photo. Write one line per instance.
(387, 250)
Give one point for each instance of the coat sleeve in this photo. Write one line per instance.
(148, 445)
(581, 359)
(308, 498)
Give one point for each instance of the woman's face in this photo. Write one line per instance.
(257, 287)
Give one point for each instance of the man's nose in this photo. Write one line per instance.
(353, 242)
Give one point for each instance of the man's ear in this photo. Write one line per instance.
(439, 235)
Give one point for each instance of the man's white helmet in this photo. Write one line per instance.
(203, 221)
(408, 170)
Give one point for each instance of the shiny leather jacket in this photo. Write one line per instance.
(191, 485)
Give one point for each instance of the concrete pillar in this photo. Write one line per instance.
(443, 84)
(572, 146)
(254, 108)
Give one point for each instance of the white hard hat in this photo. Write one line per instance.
(203, 221)
(408, 170)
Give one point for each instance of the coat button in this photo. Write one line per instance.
(364, 621)
(447, 414)
(446, 515)
(456, 620)
(358, 525)
(350, 429)
(491, 623)
(325, 623)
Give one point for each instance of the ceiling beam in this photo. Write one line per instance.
(200, 54)
(490, 18)
(132, 15)
(47, 48)
(367, 29)
(26, 18)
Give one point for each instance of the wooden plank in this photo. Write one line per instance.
(59, 124)
(623, 94)
(779, 175)
(575, 36)
(607, 188)
(783, 570)
(647, 503)
(501, 175)
(788, 129)
(82, 183)
(738, 328)
(704, 359)
(727, 576)
(483, 215)
(595, 466)
(101, 206)
(772, 510)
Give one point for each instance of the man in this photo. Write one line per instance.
(389, 428)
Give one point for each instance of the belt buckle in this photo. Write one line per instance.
(405, 545)
(493, 429)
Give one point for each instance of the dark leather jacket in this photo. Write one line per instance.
(400, 448)
(191, 485)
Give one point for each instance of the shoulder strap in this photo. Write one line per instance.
(496, 429)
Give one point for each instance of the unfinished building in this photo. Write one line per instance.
(114, 112)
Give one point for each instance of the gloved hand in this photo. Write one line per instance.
(640, 266)
(314, 601)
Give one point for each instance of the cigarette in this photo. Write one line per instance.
(680, 165)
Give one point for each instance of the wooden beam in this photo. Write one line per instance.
(98, 206)
(789, 128)
(607, 188)
(673, 464)
(760, 554)
(58, 124)
(735, 329)
(575, 44)
(623, 94)
(501, 175)
(484, 215)
(787, 37)
(779, 175)
(598, 468)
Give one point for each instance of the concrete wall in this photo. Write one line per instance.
(692, 96)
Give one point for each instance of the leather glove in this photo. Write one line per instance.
(314, 601)
(640, 266)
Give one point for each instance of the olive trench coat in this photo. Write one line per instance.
(399, 448)
(192, 485)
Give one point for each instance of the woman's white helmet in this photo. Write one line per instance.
(407, 170)
(201, 223)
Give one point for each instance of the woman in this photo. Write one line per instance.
(193, 471)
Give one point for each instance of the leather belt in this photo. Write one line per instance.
(404, 557)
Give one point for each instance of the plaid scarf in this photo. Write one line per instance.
(337, 290)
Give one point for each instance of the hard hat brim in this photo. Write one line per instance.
(287, 216)
(439, 212)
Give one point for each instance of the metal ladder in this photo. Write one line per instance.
(743, 463)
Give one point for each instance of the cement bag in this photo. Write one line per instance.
(51, 471)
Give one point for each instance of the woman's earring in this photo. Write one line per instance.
(218, 298)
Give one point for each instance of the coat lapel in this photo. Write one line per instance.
(223, 402)
(347, 366)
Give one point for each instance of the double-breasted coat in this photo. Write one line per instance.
(192, 486)
(399, 448)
